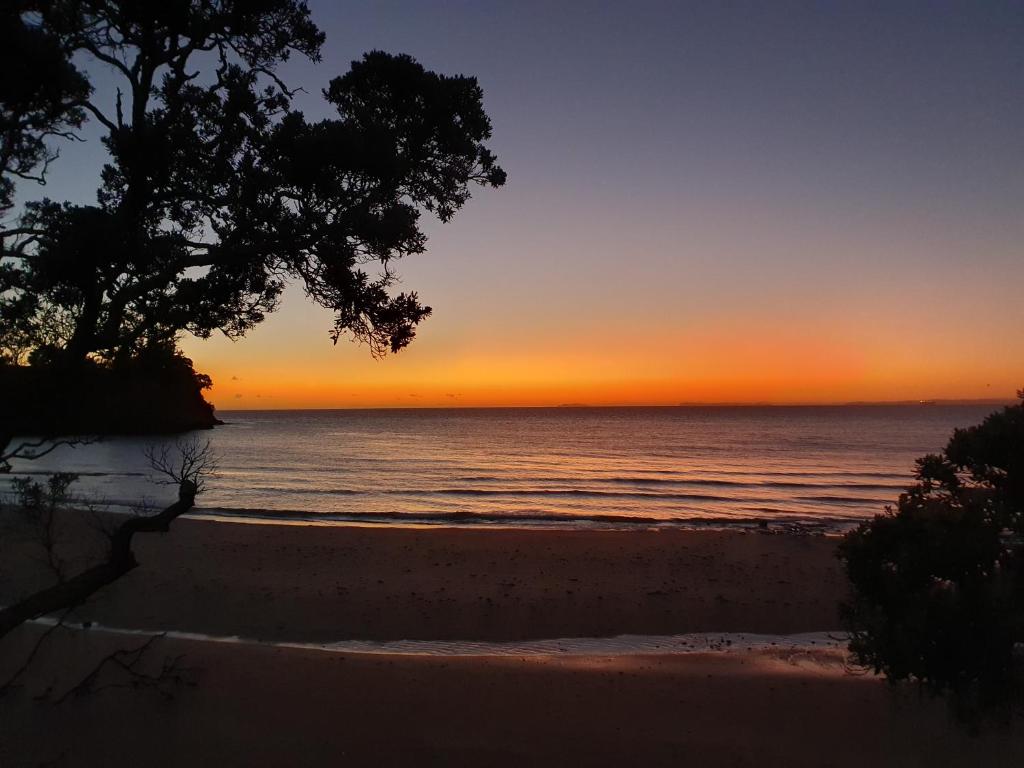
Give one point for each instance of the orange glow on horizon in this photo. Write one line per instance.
(725, 366)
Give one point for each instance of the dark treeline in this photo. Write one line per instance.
(147, 393)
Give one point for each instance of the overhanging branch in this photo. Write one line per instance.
(120, 560)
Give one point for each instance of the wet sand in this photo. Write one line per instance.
(258, 705)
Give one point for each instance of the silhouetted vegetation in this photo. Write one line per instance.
(217, 192)
(40, 98)
(188, 467)
(157, 391)
(939, 581)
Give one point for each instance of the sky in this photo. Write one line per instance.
(706, 202)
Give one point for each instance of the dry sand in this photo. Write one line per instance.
(331, 583)
(261, 705)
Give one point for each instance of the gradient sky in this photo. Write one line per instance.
(716, 201)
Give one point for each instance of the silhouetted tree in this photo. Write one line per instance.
(939, 581)
(187, 467)
(217, 192)
(40, 97)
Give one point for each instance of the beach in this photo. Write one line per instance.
(327, 583)
(511, 384)
(262, 704)
(266, 706)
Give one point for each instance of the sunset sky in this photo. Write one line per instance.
(784, 202)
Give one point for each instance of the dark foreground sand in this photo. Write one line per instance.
(260, 705)
(285, 707)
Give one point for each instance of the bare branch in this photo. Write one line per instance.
(120, 560)
(107, 59)
(99, 115)
(189, 468)
(9, 684)
(187, 461)
(36, 449)
(171, 673)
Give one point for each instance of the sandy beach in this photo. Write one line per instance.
(256, 704)
(321, 583)
(276, 706)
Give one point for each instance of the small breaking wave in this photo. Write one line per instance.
(617, 645)
(792, 523)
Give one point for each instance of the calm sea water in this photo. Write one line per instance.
(558, 466)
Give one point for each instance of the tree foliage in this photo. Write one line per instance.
(218, 192)
(40, 97)
(939, 581)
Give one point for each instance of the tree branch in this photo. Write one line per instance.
(120, 560)
(127, 659)
(23, 231)
(27, 449)
(99, 115)
(10, 682)
(107, 59)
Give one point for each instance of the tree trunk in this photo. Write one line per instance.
(120, 560)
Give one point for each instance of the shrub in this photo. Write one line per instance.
(938, 582)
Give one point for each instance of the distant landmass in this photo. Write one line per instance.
(99, 401)
(993, 402)
(853, 403)
(954, 401)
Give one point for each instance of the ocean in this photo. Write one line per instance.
(821, 467)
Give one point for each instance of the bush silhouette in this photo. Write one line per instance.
(939, 581)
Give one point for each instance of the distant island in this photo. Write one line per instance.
(1008, 400)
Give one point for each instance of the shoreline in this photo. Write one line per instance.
(610, 646)
(796, 525)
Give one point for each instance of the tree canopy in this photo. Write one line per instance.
(41, 102)
(939, 581)
(217, 192)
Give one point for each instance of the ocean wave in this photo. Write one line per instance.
(538, 492)
(540, 519)
(820, 481)
(79, 473)
(847, 486)
(846, 500)
(566, 492)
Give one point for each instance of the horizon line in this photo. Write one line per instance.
(582, 406)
